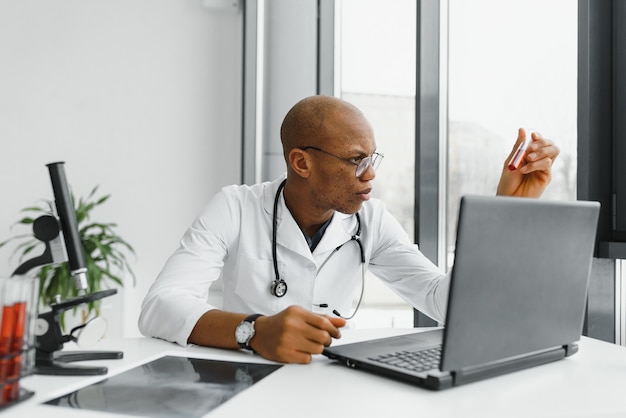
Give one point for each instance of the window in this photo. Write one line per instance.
(511, 64)
(377, 48)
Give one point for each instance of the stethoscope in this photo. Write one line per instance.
(279, 286)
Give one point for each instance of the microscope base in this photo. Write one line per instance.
(57, 363)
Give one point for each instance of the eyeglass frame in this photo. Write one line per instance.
(372, 160)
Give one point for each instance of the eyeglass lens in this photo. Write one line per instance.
(373, 160)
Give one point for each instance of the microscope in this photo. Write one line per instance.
(60, 236)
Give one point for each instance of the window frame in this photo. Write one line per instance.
(601, 96)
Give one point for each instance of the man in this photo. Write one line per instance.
(288, 252)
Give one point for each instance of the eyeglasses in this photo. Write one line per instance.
(361, 163)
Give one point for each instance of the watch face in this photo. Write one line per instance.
(243, 332)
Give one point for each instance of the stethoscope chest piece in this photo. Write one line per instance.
(279, 288)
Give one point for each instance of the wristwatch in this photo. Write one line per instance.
(245, 331)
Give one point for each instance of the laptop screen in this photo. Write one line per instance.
(534, 256)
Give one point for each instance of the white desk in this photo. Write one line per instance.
(592, 383)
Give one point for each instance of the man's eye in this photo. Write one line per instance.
(356, 160)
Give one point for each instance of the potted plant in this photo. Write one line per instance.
(105, 254)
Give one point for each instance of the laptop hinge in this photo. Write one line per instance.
(473, 374)
(570, 349)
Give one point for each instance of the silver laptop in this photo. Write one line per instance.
(517, 296)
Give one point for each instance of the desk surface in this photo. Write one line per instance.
(588, 384)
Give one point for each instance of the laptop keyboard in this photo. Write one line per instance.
(416, 361)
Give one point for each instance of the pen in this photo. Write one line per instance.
(519, 153)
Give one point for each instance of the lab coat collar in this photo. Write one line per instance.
(289, 234)
(269, 193)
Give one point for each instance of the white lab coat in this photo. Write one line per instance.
(231, 239)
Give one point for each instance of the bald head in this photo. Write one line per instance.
(307, 123)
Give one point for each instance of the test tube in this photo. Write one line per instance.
(32, 295)
(15, 330)
(7, 326)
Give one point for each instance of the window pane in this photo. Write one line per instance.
(511, 64)
(377, 74)
(376, 41)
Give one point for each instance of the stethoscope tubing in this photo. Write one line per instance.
(279, 286)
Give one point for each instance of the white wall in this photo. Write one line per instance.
(141, 97)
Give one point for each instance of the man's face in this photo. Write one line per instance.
(334, 183)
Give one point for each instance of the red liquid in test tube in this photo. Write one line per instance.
(6, 335)
(519, 153)
(15, 365)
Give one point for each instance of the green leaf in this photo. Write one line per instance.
(93, 192)
(102, 200)
(37, 209)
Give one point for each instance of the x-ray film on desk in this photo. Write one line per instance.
(169, 387)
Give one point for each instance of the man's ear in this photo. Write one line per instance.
(299, 162)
